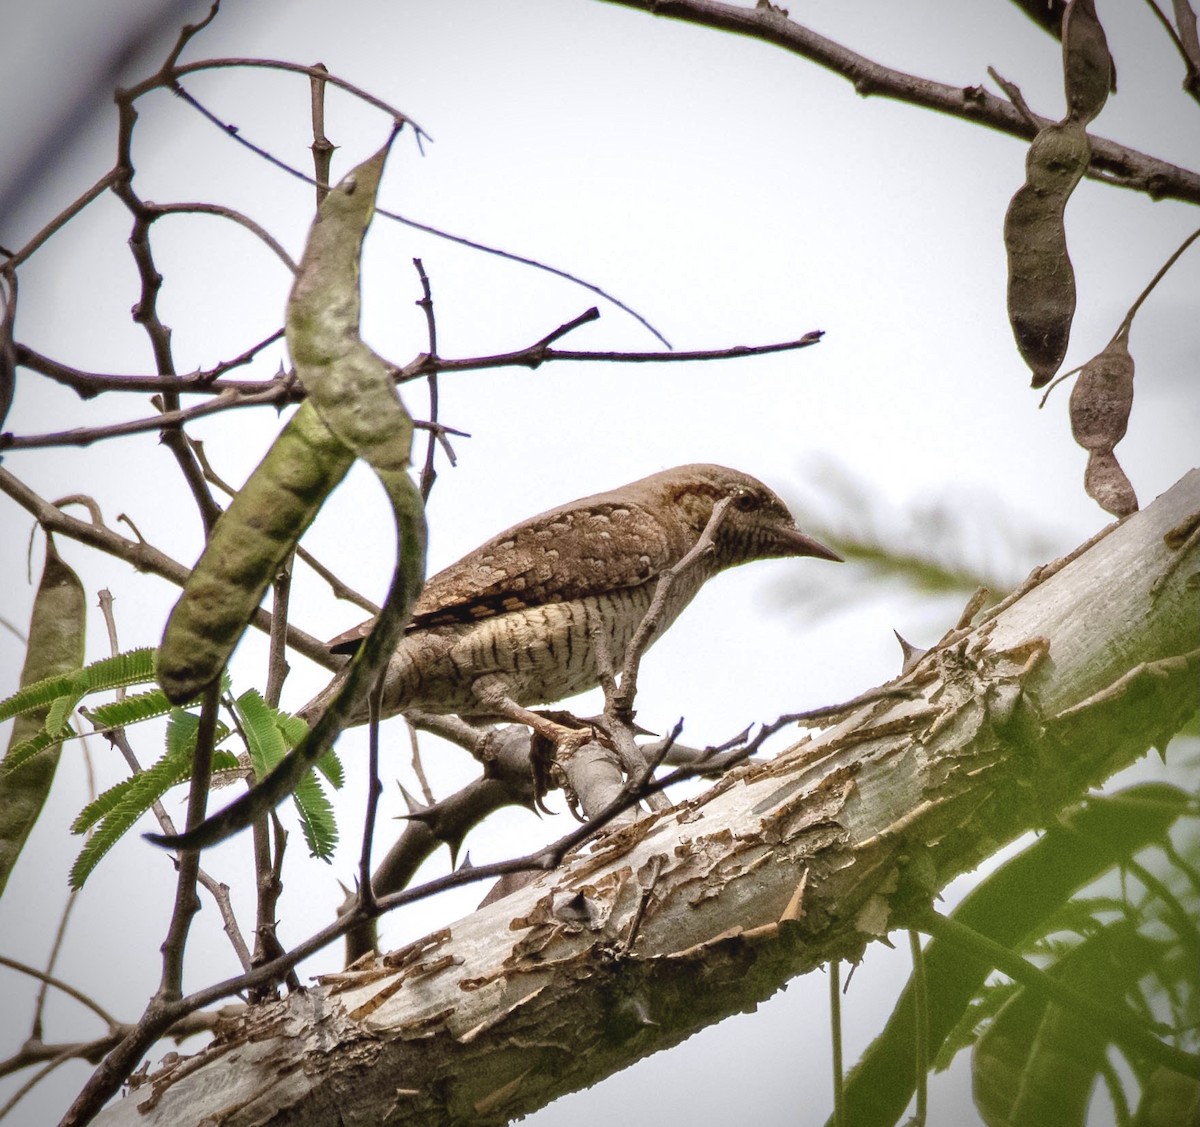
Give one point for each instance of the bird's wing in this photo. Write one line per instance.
(560, 555)
(563, 554)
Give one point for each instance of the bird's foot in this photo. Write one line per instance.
(557, 738)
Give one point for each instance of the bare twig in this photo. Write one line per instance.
(459, 240)
(417, 766)
(282, 390)
(186, 903)
(428, 472)
(145, 311)
(1016, 97)
(144, 557)
(1188, 51)
(63, 218)
(322, 148)
(155, 210)
(623, 702)
(225, 401)
(58, 984)
(366, 896)
(90, 384)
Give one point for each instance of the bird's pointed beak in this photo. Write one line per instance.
(802, 545)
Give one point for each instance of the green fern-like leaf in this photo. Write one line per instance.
(27, 751)
(263, 735)
(43, 694)
(270, 733)
(316, 817)
(294, 729)
(331, 767)
(131, 710)
(119, 808)
(966, 1031)
(103, 805)
(122, 670)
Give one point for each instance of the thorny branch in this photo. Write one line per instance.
(1111, 163)
(283, 389)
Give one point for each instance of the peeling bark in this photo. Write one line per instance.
(705, 909)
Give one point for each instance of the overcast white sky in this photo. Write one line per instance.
(732, 194)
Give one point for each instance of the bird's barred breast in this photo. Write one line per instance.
(543, 653)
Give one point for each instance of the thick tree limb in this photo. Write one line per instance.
(705, 909)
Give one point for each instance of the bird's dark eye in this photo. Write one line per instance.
(746, 502)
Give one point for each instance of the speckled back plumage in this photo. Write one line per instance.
(524, 606)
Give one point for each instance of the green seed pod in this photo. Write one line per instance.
(350, 385)
(56, 637)
(352, 390)
(250, 541)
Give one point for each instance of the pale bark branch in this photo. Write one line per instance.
(779, 868)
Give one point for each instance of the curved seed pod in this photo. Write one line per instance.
(1087, 64)
(1107, 485)
(56, 636)
(1103, 397)
(347, 382)
(263, 522)
(352, 389)
(1041, 280)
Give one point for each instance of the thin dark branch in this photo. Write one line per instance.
(282, 390)
(144, 557)
(471, 244)
(428, 471)
(322, 148)
(366, 897)
(1191, 81)
(186, 902)
(1111, 163)
(277, 665)
(63, 218)
(632, 659)
(58, 984)
(1185, 19)
(91, 384)
(225, 401)
(233, 215)
(145, 311)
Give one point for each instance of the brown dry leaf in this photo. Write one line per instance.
(1041, 280)
(1087, 64)
(1107, 484)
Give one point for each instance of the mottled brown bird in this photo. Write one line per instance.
(514, 623)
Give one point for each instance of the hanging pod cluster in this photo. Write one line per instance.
(1041, 280)
(352, 410)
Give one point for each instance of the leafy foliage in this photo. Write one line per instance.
(119, 807)
(270, 735)
(1135, 947)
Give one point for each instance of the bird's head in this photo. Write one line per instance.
(755, 525)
